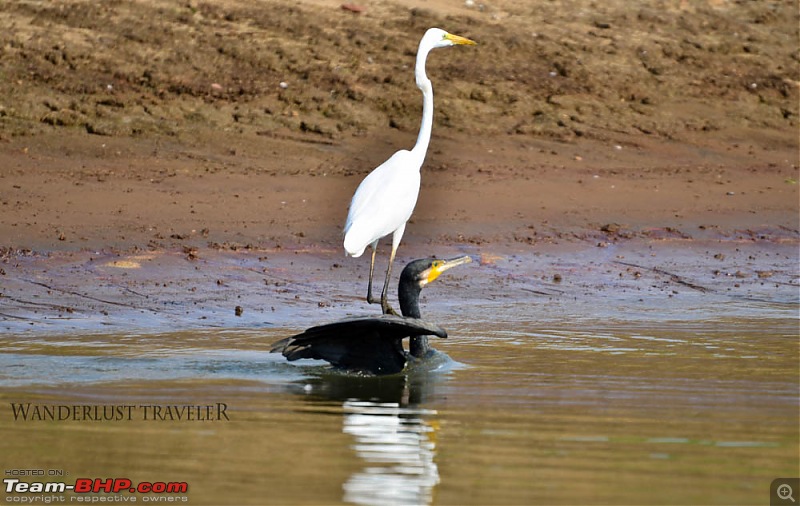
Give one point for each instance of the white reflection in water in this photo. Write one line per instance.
(398, 447)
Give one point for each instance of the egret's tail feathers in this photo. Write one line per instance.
(353, 246)
(355, 253)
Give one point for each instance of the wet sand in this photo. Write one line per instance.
(130, 221)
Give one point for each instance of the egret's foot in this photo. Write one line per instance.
(387, 309)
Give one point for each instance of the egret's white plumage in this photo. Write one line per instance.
(385, 199)
(383, 202)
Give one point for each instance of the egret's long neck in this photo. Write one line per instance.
(424, 84)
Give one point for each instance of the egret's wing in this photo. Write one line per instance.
(369, 343)
(383, 181)
(383, 202)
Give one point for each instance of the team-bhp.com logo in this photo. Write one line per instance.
(96, 485)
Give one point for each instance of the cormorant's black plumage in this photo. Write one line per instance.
(374, 343)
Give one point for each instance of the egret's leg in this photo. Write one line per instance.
(387, 309)
(396, 236)
(370, 300)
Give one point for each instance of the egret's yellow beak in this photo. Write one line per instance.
(457, 39)
(439, 266)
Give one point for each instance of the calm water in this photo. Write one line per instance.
(675, 402)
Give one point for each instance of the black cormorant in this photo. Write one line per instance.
(374, 344)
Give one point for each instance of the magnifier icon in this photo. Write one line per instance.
(785, 492)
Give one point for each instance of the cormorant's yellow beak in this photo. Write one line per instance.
(457, 39)
(439, 266)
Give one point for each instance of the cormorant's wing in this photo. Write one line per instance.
(368, 343)
(388, 326)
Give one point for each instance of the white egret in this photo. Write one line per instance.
(385, 199)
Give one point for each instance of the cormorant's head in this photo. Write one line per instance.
(423, 271)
